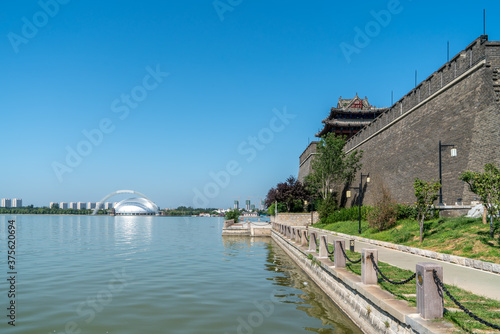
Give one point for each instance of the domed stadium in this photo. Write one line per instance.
(136, 207)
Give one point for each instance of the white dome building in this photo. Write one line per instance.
(136, 207)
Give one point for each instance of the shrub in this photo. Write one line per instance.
(347, 214)
(327, 207)
(406, 211)
(385, 212)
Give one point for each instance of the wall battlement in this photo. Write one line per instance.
(459, 105)
(465, 60)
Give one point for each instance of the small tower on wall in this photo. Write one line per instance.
(350, 116)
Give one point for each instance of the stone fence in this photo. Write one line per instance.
(370, 307)
(476, 264)
(296, 219)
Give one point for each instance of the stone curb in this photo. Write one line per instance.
(354, 298)
(463, 261)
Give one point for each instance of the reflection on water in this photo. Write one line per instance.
(307, 297)
(129, 228)
(294, 287)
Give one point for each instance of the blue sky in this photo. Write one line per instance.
(198, 103)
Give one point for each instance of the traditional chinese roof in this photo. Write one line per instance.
(349, 122)
(350, 116)
(354, 103)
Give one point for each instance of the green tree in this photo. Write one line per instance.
(281, 208)
(426, 193)
(487, 186)
(233, 214)
(292, 193)
(332, 168)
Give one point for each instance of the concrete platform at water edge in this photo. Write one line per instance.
(248, 228)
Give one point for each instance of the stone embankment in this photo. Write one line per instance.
(371, 308)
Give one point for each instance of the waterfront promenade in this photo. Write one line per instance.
(476, 281)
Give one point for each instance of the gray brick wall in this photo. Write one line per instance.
(305, 161)
(466, 114)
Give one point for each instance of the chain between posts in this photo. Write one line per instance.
(387, 279)
(345, 255)
(315, 240)
(328, 251)
(463, 308)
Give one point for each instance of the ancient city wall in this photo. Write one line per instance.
(305, 161)
(459, 105)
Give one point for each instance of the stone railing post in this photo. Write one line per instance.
(429, 294)
(338, 256)
(293, 233)
(323, 247)
(303, 237)
(288, 232)
(312, 242)
(368, 272)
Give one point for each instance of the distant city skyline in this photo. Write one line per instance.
(7, 202)
(195, 105)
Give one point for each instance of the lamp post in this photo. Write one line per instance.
(453, 154)
(360, 194)
(276, 206)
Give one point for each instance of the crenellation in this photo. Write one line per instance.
(459, 105)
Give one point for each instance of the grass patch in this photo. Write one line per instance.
(485, 308)
(467, 237)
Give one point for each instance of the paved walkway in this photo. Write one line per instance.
(476, 281)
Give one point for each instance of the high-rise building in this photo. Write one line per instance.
(262, 204)
(5, 202)
(17, 203)
(91, 205)
(108, 206)
(63, 205)
(247, 205)
(72, 205)
(81, 205)
(236, 205)
(252, 207)
(53, 204)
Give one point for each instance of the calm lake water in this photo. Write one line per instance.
(84, 274)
